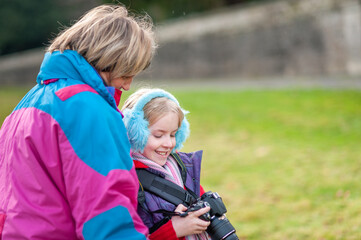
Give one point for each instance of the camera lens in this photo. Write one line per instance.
(221, 228)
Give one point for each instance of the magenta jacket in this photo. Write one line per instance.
(65, 167)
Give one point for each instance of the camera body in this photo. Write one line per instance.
(220, 227)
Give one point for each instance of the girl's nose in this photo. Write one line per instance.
(168, 142)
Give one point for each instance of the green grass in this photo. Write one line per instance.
(286, 162)
(9, 98)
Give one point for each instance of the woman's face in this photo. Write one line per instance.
(161, 140)
(121, 83)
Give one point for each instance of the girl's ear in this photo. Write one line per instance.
(182, 134)
(137, 129)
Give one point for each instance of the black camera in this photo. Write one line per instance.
(220, 227)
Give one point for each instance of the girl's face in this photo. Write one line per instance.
(161, 140)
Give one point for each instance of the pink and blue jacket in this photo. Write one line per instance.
(65, 166)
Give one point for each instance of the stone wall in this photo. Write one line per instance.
(280, 38)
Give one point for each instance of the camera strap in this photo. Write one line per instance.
(165, 189)
(170, 213)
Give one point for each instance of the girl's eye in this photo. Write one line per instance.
(172, 135)
(157, 136)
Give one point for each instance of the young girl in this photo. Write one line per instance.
(157, 127)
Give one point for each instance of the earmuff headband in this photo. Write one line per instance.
(138, 127)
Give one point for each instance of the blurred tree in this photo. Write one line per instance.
(27, 24)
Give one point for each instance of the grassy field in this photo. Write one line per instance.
(286, 162)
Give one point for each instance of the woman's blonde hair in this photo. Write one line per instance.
(155, 108)
(111, 40)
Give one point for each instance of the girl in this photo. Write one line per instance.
(65, 168)
(157, 127)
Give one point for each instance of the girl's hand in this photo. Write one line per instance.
(191, 224)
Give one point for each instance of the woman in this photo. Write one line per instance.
(65, 168)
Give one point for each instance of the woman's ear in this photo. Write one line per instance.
(106, 77)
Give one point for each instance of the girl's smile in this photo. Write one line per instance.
(161, 140)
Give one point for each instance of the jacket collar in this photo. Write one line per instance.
(71, 65)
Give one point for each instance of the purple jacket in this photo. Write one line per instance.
(192, 161)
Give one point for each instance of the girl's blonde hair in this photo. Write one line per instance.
(111, 40)
(144, 108)
(155, 108)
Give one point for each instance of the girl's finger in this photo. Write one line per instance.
(180, 208)
(201, 211)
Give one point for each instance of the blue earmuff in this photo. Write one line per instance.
(137, 125)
